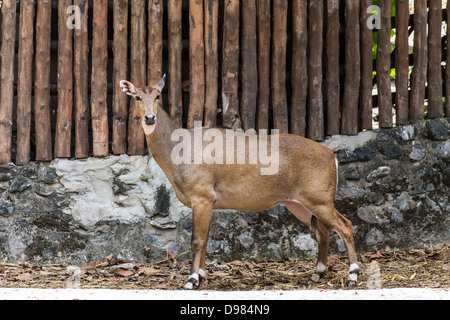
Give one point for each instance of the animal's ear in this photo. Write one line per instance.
(162, 83)
(128, 87)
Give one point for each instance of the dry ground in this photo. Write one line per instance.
(388, 268)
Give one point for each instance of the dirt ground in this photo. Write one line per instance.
(384, 268)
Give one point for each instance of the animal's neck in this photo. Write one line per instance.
(160, 142)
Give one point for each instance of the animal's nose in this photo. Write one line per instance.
(150, 119)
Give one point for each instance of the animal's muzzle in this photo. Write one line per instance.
(150, 119)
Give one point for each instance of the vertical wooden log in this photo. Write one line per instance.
(42, 117)
(435, 105)
(420, 53)
(447, 69)
(352, 69)
(26, 30)
(7, 78)
(211, 61)
(196, 63)
(332, 67)
(230, 65)
(138, 75)
(65, 83)
(315, 47)
(174, 8)
(279, 43)
(366, 66)
(249, 77)
(264, 33)
(384, 65)
(99, 108)
(120, 100)
(81, 78)
(155, 41)
(402, 61)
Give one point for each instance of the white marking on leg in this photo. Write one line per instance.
(354, 267)
(320, 267)
(353, 277)
(193, 279)
(202, 273)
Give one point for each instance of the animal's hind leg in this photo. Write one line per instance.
(334, 220)
(321, 231)
(323, 238)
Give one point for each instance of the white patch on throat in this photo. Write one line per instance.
(148, 129)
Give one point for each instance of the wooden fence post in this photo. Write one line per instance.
(279, 43)
(420, 52)
(120, 100)
(211, 61)
(7, 78)
(81, 79)
(136, 136)
(315, 45)
(447, 69)
(99, 108)
(155, 41)
(230, 65)
(26, 31)
(174, 8)
(366, 66)
(352, 69)
(65, 83)
(384, 65)
(402, 61)
(332, 68)
(264, 34)
(42, 116)
(249, 74)
(435, 105)
(196, 63)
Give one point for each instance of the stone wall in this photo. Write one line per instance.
(393, 185)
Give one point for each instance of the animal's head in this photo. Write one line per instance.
(147, 100)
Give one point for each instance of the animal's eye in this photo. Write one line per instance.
(138, 98)
(157, 97)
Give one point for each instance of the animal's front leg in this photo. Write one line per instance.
(201, 216)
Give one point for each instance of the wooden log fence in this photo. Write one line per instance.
(303, 67)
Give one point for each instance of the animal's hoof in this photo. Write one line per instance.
(191, 286)
(315, 278)
(192, 283)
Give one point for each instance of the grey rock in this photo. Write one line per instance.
(379, 173)
(364, 153)
(47, 174)
(396, 215)
(245, 240)
(390, 151)
(19, 185)
(351, 192)
(405, 132)
(374, 236)
(42, 190)
(442, 151)
(436, 130)
(8, 172)
(352, 174)
(7, 208)
(384, 135)
(404, 202)
(365, 215)
(345, 156)
(417, 152)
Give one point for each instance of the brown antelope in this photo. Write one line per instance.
(305, 182)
